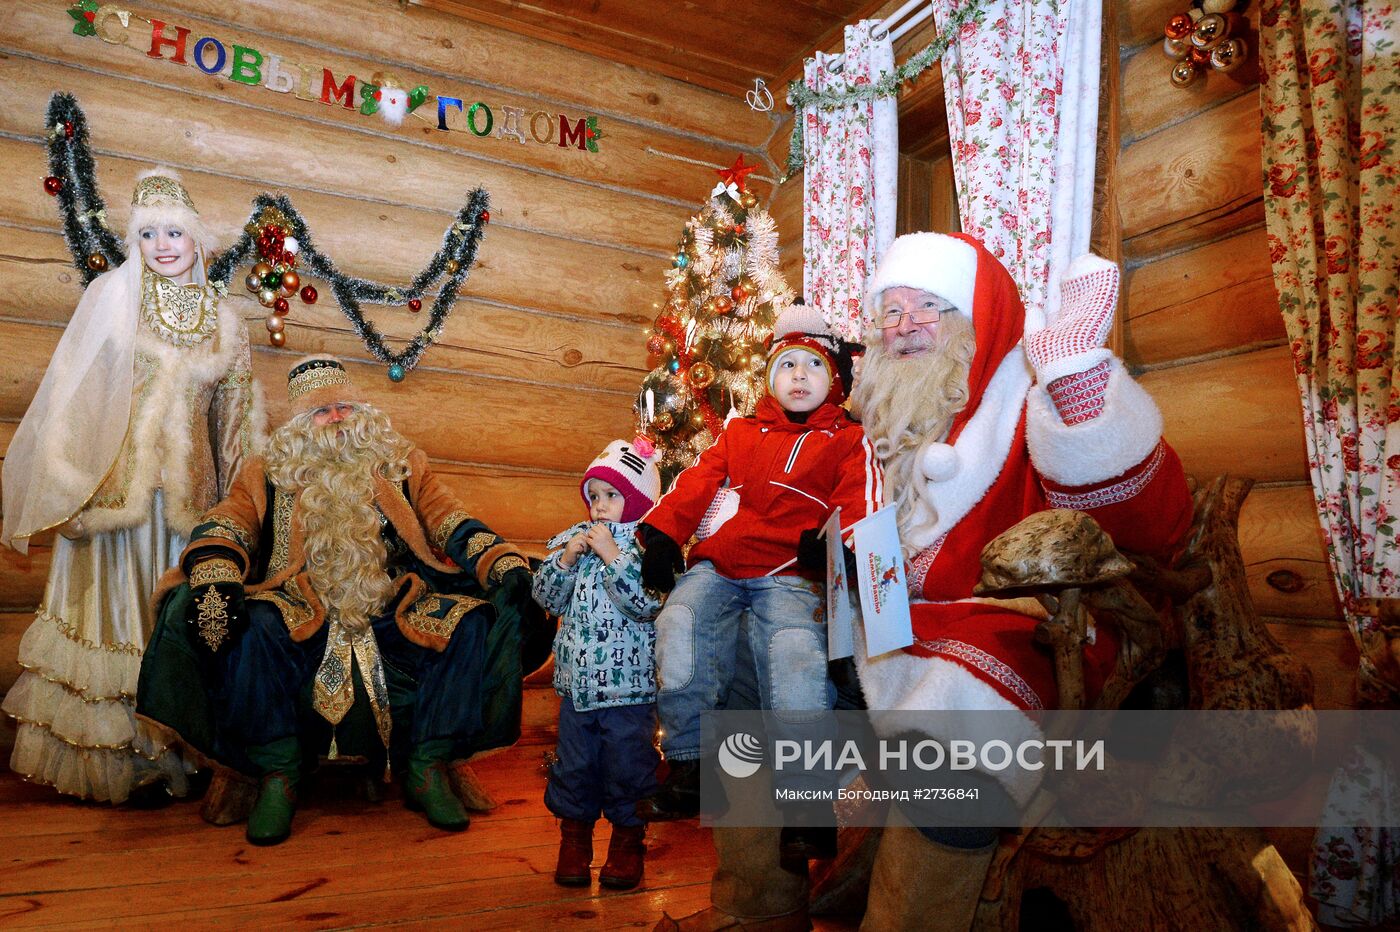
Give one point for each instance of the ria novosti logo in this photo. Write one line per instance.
(740, 755)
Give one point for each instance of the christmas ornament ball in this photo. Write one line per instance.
(415, 305)
(655, 344)
(97, 262)
(1228, 55)
(1217, 6)
(452, 266)
(663, 421)
(1179, 26)
(53, 185)
(281, 307)
(253, 282)
(1183, 74)
(748, 200)
(274, 324)
(291, 281)
(1211, 29)
(701, 375)
(308, 294)
(486, 216)
(266, 297)
(277, 338)
(262, 270)
(740, 293)
(396, 373)
(1176, 49)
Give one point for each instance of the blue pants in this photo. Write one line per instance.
(697, 642)
(606, 763)
(433, 695)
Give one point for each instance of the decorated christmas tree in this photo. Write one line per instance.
(706, 346)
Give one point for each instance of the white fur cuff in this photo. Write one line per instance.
(1109, 445)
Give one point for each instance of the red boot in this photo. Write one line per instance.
(626, 852)
(575, 853)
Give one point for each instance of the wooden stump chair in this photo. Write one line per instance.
(1210, 652)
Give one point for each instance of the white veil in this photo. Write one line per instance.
(73, 430)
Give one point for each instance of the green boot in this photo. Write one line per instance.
(270, 822)
(430, 789)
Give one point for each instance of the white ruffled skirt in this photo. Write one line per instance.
(74, 703)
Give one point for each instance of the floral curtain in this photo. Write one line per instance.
(1330, 130)
(852, 168)
(1022, 91)
(1331, 87)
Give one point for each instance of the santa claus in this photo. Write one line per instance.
(978, 424)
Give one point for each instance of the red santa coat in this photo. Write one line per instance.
(783, 477)
(1007, 456)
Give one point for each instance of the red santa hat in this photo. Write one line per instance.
(801, 329)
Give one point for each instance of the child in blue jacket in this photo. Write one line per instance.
(604, 671)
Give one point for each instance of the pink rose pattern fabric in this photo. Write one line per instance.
(1331, 89)
(851, 156)
(1003, 80)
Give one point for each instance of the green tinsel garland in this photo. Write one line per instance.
(804, 98)
(86, 231)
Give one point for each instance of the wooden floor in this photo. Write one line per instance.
(348, 863)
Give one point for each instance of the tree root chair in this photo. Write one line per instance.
(1210, 651)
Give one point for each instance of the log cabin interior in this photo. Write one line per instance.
(539, 365)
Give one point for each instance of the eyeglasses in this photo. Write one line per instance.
(918, 316)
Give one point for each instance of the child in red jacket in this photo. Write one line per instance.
(768, 482)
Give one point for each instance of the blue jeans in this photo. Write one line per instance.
(697, 642)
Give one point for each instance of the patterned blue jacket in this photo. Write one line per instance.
(604, 653)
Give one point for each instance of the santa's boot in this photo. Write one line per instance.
(270, 822)
(575, 853)
(921, 884)
(627, 852)
(752, 890)
(430, 789)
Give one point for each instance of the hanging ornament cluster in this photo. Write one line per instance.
(273, 278)
(705, 348)
(1205, 37)
(276, 247)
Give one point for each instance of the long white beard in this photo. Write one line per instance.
(905, 403)
(333, 467)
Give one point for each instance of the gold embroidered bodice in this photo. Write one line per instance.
(182, 315)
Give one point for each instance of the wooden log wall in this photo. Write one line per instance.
(1200, 324)
(535, 371)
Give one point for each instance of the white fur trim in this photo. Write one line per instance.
(1071, 365)
(1109, 445)
(932, 262)
(899, 682)
(981, 451)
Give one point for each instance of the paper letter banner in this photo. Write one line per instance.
(884, 592)
(839, 641)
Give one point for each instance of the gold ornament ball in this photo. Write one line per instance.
(748, 200)
(1211, 29)
(262, 270)
(701, 374)
(663, 421)
(97, 262)
(1228, 55)
(452, 266)
(275, 324)
(277, 338)
(1183, 74)
(266, 296)
(291, 281)
(1176, 49)
(697, 420)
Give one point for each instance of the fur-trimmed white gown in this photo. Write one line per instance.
(193, 418)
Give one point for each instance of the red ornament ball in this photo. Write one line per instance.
(1179, 26)
(415, 305)
(281, 307)
(1199, 57)
(739, 229)
(655, 344)
(739, 293)
(308, 294)
(486, 216)
(53, 185)
(68, 129)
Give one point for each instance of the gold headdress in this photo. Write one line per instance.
(157, 190)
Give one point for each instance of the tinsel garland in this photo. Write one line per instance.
(88, 235)
(804, 98)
